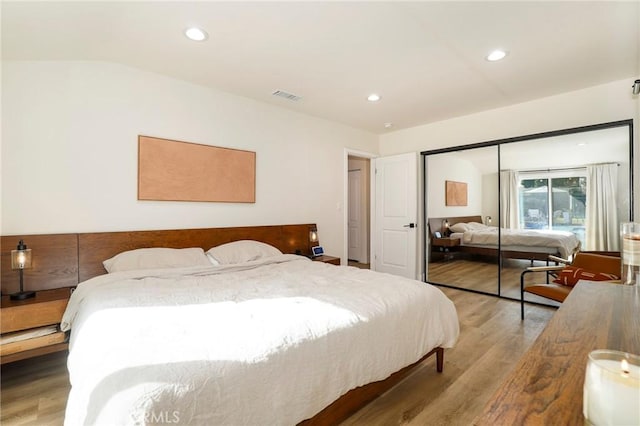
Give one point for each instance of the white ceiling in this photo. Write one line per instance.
(568, 150)
(426, 59)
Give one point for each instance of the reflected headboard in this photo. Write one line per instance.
(64, 260)
(437, 223)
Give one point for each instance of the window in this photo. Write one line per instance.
(553, 200)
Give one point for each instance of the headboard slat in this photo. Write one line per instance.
(94, 248)
(436, 223)
(54, 262)
(64, 260)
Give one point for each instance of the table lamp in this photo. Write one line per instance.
(445, 228)
(21, 259)
(313, 235)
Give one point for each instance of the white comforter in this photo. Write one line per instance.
(264, 343)
(565, 242)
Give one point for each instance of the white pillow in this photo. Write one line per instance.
(241, 251)
(476, 226)
(459, 227)
(213, 260)
(153, 258)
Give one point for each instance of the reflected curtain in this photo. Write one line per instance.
(602, 216)
(509, 214)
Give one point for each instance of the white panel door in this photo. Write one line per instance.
(355, 215)
(396, 214)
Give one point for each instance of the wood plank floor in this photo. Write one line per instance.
(480, 273)
(359, 265)
(492, 339)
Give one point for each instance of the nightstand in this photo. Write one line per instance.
(327, 259)
(29, 315)
(445, 242)
(445, 245)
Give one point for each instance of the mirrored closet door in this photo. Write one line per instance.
(573, 187)
(495, 208)
(461, 188)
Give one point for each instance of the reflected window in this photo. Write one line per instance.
(557, 203)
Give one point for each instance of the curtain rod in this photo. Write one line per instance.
(562, 169)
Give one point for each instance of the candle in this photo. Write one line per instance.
(630, 233)
(612, 388)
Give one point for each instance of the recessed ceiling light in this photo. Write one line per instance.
(496, 55)
(196, 34)
(373, 97)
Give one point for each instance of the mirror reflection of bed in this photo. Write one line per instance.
(474, 253)
(544, 184)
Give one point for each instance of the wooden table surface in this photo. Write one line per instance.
(546, 385)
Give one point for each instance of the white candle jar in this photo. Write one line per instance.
(630, 252)
(612, 389)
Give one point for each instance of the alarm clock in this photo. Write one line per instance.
(317, 251)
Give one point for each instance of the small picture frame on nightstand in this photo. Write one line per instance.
(437, 234)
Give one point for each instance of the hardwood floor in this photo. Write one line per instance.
(359, 265)
(492, 339)
(34, 391)
(480, 273)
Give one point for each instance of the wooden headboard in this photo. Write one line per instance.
(64, 260)
(436, 223)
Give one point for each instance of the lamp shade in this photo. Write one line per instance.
(445, 227)
(313, 236)
(21, 257)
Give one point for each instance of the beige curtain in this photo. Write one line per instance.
(602, 231)
(509, 206)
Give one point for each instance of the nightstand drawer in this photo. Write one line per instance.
(327, 259)
(28, 344)
(31, 319)
(29, 315)
(445, 242)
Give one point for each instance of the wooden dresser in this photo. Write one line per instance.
(45, 309)
(546, 386)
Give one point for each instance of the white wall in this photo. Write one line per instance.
(490, 197)
(69, 152)
(608, 102)
(458, 171)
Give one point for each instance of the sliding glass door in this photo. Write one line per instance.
(554, 200)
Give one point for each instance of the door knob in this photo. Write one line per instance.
(411, 225)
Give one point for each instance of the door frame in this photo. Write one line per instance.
(345, 202)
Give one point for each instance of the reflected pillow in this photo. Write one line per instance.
(476, 226)
(570, 275)
(156, 258)
(241, 251)
(459, 227)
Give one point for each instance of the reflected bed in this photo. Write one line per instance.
(475, 238)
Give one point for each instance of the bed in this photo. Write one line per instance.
(275, 339)
(476, 238)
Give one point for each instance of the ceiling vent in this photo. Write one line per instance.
(286, 95)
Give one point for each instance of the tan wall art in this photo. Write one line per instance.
(456, 193)
(171, 170)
